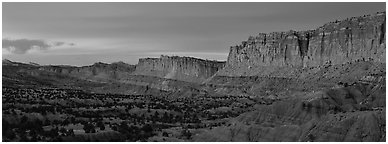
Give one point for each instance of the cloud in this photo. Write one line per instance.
(59, 43)
(22, 46)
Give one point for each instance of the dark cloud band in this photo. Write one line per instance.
(22, 46)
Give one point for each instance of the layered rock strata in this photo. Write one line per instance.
(356, 38)
(179, 68)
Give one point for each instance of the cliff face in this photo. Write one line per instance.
(333, 43)
(97, 72)
(179, 68)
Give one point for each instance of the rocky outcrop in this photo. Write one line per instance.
(356, 38)
(352, 113)
(180, 68)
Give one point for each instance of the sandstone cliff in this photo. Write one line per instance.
(179, 68)
(356, 38)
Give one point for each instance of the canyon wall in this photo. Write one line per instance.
(356, 38)
(179, 68)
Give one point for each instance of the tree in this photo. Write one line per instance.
(147, 128)
(165, 117)
(72, 120)
(70, 132)
(47, 122)
(63, 131)
(89, 128)
(65, 122)
(186, 133)
(24, 119)
(101, 125)
(114, 128)
(44, 113)
(165, 134)
(123, 128)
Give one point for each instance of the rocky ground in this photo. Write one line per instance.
(332, 103)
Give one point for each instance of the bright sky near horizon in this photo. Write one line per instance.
(85, 33)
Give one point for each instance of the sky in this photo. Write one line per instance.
(84, 33)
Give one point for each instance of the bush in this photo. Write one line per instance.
(165, 134)
(89, 128)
